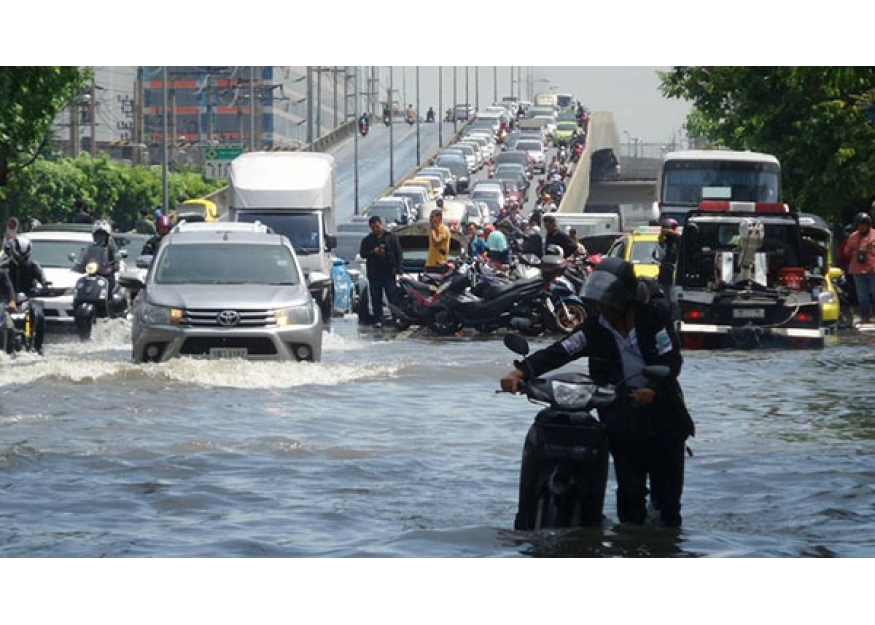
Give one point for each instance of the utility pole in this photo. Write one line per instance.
(251, 108)
(334, 70)
(495, 82)
(355, 105)
(467, 99)
(74, 126)
(93, 111)
(440, 111)
(165, 192)
(391, 131)
(309, 108)
(477, 86)
(455, 98)
(418, 161)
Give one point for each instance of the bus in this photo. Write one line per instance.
(688, 177)
(565, 101)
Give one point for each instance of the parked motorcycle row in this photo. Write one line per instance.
(532, 295)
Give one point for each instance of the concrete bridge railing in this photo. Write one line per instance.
(602, 135)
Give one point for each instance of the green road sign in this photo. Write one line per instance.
(223, 154)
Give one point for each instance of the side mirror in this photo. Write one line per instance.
(517, 344)
(835, 273)
(123, 253)
(71, 257)
(144, 261)
(331, 241)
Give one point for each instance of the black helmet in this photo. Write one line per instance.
(612, 283)
(862, 218)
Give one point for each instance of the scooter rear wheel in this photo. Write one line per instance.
(442, 322)
(569, 315)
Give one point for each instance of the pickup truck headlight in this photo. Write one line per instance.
(153, 315)
(297, 316)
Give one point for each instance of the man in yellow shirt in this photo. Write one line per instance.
(438, 240)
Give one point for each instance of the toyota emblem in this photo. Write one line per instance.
(228, 318)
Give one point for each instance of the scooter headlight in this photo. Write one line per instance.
(91, 268)
(572, 396)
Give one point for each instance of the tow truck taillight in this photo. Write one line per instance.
(804, 317)
(693, 314)
(724, 206)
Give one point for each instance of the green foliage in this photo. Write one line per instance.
(48, 189)
(30, 99)
(811, 118)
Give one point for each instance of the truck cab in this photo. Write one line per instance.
(293, 194)
(742, 281)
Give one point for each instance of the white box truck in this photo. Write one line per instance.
(292, 193)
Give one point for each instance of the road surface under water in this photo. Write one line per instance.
(398, 446)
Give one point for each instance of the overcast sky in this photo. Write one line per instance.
(631, 93)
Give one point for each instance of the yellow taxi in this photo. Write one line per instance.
(817, 239)
(426, 184)
(639, 247)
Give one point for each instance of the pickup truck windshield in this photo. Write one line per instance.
(235, 263)
(302, 229)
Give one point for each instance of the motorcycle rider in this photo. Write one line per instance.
(411, 114)
(364, 122)
(163, 225)
(648, 431)
(429, 116)
(102, 240)
(24, 274)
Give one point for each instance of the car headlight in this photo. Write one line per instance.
(297, 316)
(153, 315)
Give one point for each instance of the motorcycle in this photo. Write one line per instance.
(429, 117)
(23, 329)
(364, 127)
(413, 299)
(93, 296)
(387, 118)
(411, 117)
(518, 305)
(564, 468)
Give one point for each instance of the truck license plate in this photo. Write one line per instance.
(217, 353)
(749, 313)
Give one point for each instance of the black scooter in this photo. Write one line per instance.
(95, 294)
(564, 471)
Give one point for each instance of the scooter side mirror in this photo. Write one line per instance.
(144, 261)
(517, 344)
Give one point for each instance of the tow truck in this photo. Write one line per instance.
(741, 281)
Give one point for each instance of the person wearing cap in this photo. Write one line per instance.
(859, 249)
(648, 429)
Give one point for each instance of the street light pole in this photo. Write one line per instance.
(418, 158)
(165, 194)
(455, 99)
(391, 131)
(355, 88)
(310, 108)
(440, 105)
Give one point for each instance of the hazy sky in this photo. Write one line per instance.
(631, 93)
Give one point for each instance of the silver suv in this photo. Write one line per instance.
(225, 290)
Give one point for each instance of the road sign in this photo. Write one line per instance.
(218, 161)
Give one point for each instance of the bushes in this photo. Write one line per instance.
(46, 190)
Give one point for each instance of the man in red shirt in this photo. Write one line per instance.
(860, 250)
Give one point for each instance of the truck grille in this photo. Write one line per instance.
(209, 317)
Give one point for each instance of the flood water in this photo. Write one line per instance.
(398, 446)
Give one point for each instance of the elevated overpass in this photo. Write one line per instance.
(597, 183)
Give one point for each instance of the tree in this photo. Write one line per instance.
(812, 118)
(30, 99)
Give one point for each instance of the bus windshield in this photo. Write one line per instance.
(564, 100)
(688, 182)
